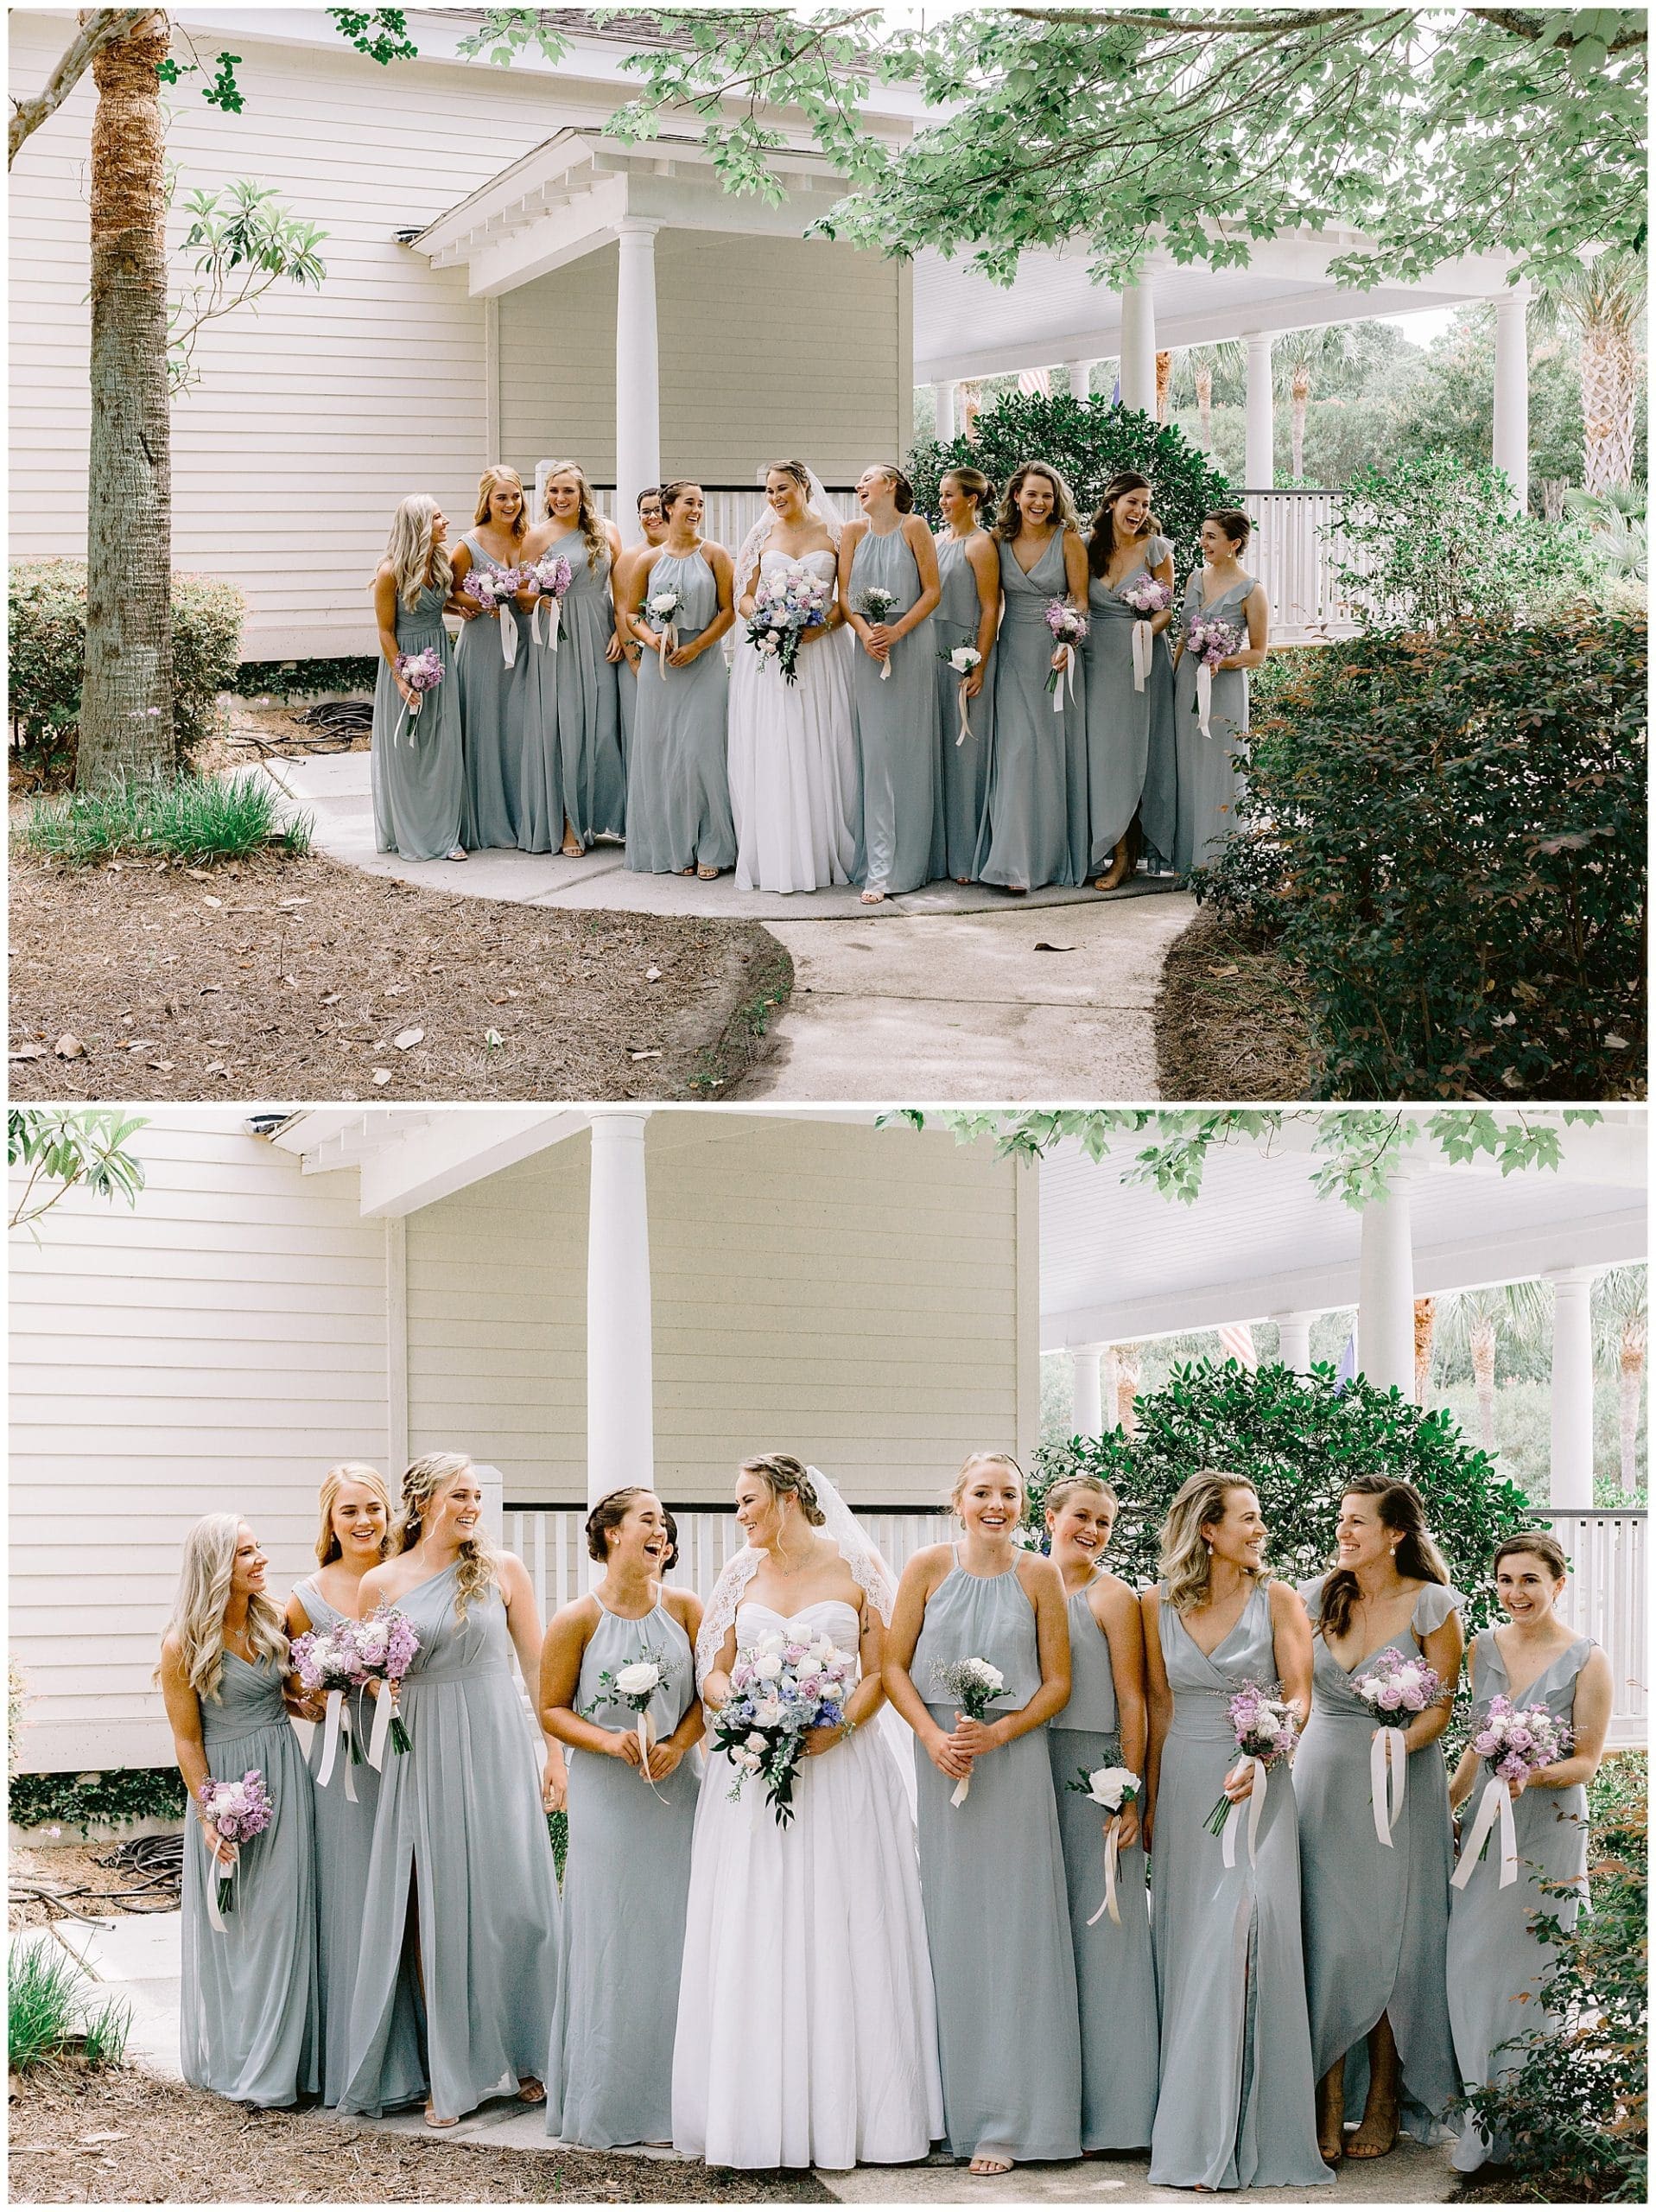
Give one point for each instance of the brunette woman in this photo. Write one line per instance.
(1126, 663)
(968, 615)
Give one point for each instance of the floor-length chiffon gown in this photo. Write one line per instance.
(1115, 1967)
(249, 2021)
(570, 763)
(964, 760)
(806, 2030)
(1208, 779)
(1496, 1964)
(1118, 713)
(1035, 827)
(992, 1876)
(491, 698)
(900, 845)
(678, 786)
(1375, 1917)
(627, 1881)
(461, 1828)
(1158, 807)
(416, 766)
(1237, 2104)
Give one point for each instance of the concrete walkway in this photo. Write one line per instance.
(138, 1958)
(955, 993)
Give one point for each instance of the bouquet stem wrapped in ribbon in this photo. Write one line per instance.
(551, 576)
(963, 660)
(1265, 1727)
(783, 1686)
(633, 1686)
(237, 1812)
(327, 1665)
(1393, 1685)
(422, 672)
(494, 589)
(1210, 642)
(1148, 595)
(384, 1645)
(1069, 626)
(1517, 1740)
(974, 1686)
(663, 608)
(1112, 1786)
(878, 605)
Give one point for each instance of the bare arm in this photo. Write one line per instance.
(1290, 1634)
(1075, 568)
(985, 559)
(1258, 625)
(184, 1718)
(925, 559)
(458, 602)
(1164, 574)
(630, 597)
(850, 539)
(385, 616)
(686, 1609)
(297, 1622)
(715, 1691)
(718, 561)
(1442, 1651)
(1116, 1611)
(1159, 1697)
(613, 652)
(561, 1653)
(869, 1695)
(920, 1578)
(524, 1625)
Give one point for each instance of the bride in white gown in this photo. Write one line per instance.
(794, 789)
(807, 2034)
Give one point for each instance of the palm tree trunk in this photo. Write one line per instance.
(1425, 1318)
(1164, 384)
(1609, 386)
(1632, 1379)
(1128, 1368)
(1204, 405)
(1480, 1343)
(1300, 394)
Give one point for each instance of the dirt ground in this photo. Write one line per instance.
(299, 980)
(1230, 1021)
(71, 1870)
(120, 2136)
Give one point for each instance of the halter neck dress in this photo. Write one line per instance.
(1497, 1965)
(965, 760)
(1375, 1917)
(626, 1883)
(1118, 714)
(249, 2016)
(1115, 1967)
(570, 762)
(678, 784)
(491, 698)
(460, 1820)
(900, 843)
(1208, 781)
(1236, 2108)
(1035, 826)
(992, 1880)
(416, 766)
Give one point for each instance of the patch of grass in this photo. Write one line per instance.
(51, 2008)
(181, 817)
(741, 1044)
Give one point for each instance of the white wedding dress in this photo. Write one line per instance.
(806, 2032)
(795, 787)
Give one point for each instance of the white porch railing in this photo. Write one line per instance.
(1605, 1598)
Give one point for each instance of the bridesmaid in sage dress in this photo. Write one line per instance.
(490, 693)
(462, 1882)
(627, 1876)
(573, 780)
(626, 669)
(1104, 1725)
(249, 2017)
(416, 763)
(1158, 809)
(1035, 827)
(992, 1871)
(1208, 780)
(894, 686)
(1375, 1916)
(968, 614)
(1123, 544)
(1236, 2108)
(678, 785)
(1497, 1966)
(356, 1528)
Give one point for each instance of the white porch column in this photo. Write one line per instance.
(1510, 443)
(638, 374)
(1081, 376)
(1087, 1401)
(1259, 463)
(945, 390)
(1573, 1387)
(1138, 348)
(1294, 1340)
(1386, 1293)
(621, 1410)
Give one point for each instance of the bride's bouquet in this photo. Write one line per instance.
(782, 1686)
(785, 606)
(237, 1812)
(550, 576)
(1393, 1686)
(1516, 1741)
(1266, 1727)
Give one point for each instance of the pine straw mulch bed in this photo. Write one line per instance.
(292, 980)
(117, 2135)
(1230, 1017)
(72, 1869)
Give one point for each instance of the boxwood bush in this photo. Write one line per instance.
(1449, 831)
(47, 606)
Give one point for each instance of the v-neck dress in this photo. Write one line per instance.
(1237, 2106)
(416, 768)
(1375, 1916)
(1118, 714)
(1208, 777)
(1035, 824)
(491, 698)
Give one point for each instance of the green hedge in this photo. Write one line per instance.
(47, 602)
(305, 679)
(88, 1801)
(1450, 831)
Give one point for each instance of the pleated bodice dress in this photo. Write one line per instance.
(678, 784)
(1036, 820)
(461, 1822)
(1375, 1917)
(491, 698)
(626, 708)
(571, 751)
(1496, 1963)
(1115, 1967)
(965, 760)
(344, 1842)
(250, 2024)
(1207, 780)
(626, 1884)
(900, 845)
(992, 1877)
(1237, 2106)
(1118, 714)
(416, 766)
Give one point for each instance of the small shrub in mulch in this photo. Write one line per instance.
(187, 818)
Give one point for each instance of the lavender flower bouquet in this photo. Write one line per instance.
(324, 1661)
(1266, 1727)
(1069, 626)
(237, 1812)
(386, 1645)
(422, 672)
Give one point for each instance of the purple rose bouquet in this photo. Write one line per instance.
(1515, 1741)
(1208, 642)
(235, 1812)
(1146, 593)
(493, 589)
(550, 576)
(782, 1686)
(1069, 626)
(384, 1646)
(1267, 1728)
(324, 1661)
(1395, 1688)
(422, 672)
(785, 606)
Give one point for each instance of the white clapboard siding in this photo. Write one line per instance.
(218, 1347)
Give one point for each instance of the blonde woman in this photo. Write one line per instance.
(1236, 2108)
(416, 763)
(354, 1536)
(461, 1880)
(248, 2023)
(992, 1874)
(491, 669)
(571, 775)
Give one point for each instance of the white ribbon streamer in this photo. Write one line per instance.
(350, 1752)
(665, 644)
(1255, 1804)
(958, 1796)
(1494, 1805)
(1112, 1853)
(384, 1706)
(554, 606)
(1144, 642)
(506, 621)
(1065, 665)
(1388, 1778)
(1204, 696)
(332, 1719)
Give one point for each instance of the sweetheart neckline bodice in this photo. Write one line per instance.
(800, 560)
(759, 1606)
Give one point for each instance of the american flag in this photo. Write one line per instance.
(1236, 1341)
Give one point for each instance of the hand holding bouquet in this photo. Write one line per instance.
(235, 1812)
(326, 1664)
(1389, 1686)
(1113, 1788)
(963, 660)
(876, 605)
(1516, 1741)
(785, 606)
(386, 1645)
(420, 672)
(663, 608)
(782, 1686)
(494, 588)
(1266, 1727)
(1147, 595)
(1069, 626)
(549, 578)
(974, 1686)
(1208, 642)
(633, 1686)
